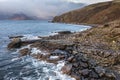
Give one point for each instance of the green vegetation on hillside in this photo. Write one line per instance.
(93, 14)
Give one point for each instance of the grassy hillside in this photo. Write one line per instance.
(93, 14)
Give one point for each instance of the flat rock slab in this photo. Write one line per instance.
(51, 45)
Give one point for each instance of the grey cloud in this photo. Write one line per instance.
(44, 9)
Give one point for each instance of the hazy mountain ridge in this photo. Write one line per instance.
(93, 14)
(35, 14)
(21, 17)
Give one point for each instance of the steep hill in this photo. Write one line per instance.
(93, 14)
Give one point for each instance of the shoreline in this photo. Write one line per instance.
(86, 24)
(94, 61)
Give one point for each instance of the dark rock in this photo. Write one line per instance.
(111, 76)
(100, 71)
(77, 77)
(92, 63)
(67, 69)
(84, 65)
(65, 32)
(49, 45)
(11, 37)
(70, 59)
(58, 52)
(62, 57)
(55, 61)
(93, 74)
(84, 72)
(76, 65)
(106, 25)
(24, 51)
(38, 56)
(16, 43)
(74, 52)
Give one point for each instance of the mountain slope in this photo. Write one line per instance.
(93, 14)
(17, 16)
(20, 17)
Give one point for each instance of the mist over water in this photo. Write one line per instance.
(42, 9)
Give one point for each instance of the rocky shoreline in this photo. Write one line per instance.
(93, 54)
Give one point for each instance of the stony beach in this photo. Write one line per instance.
(93, 54)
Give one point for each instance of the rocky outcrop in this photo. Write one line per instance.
(93, 54)
(16, 43)
(83, 68)
(25, 51)
(99, 13)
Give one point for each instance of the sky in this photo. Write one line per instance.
(43, 9)
(88, 1)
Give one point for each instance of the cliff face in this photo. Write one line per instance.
(93, 14)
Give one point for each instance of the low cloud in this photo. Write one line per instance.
(44, 9)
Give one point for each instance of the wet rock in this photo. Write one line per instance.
(87, 69)
(93, 74)
(77, 77)
(65, 32)
(55, 61)
(70, 59)
(25, 51)
(62, 57)
(11, 37)
(84, 72)
(67, 69)
(49, 45)
(58, 52)
(100, 70)
(92, 63)
(111, 76)
(76, 65)
(38, 56)
(74, 52)
(16, 43)
(84, 65)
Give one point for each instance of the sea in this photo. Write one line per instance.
(16, 67)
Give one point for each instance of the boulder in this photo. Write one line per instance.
(24, 51)
(85, 72)
(16, 43)
(65, 32)
(67, 69)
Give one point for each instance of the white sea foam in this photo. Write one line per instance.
(52, 71)
(37, 51)
(28, 46)
(54, 57)
(14, 59)
(29, 37)
(54, 33)
(49, 70)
